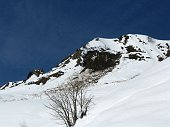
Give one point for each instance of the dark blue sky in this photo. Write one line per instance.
(40, 33)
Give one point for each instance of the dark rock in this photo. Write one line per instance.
(57, 74)
(136, 56)
(130, 48)
(160, 58)
(96, 60)
(36, 72)
(42, 80)
(126, 37)
(168, 53)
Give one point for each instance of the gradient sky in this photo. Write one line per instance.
(40, 33)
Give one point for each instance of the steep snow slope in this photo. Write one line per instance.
(130, 85)
(140, 102)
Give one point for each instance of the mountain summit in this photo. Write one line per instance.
(131, 52)
(128, 77)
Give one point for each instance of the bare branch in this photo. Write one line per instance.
(69, 102)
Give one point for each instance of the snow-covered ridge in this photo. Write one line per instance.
(130, 77)
(131, 48)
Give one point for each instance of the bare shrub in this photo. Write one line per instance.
(69, 102)
(23, 124)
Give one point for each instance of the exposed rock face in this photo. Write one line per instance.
(97, 61)
(36, 72)
(168, 53)
(42, 80)
(57, 74)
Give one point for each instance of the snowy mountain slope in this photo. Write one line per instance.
(140, 102)
(99, 54)
(130, 72)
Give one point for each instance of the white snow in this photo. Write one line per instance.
(135, 94)
(141, 102)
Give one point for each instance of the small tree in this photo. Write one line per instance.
(23, 124)
(69, 102)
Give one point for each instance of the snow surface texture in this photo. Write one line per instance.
(134, 94)
(141, 102)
